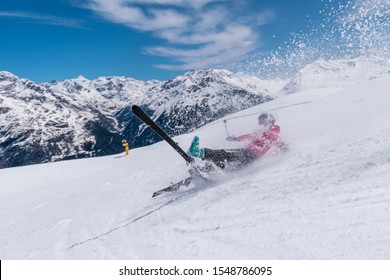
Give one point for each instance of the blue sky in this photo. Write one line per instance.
(46, 40)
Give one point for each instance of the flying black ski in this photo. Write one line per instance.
(185, 182)
(147, 120)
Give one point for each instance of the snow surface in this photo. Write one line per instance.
(327, 198)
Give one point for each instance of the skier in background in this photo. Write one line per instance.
(259, 143)
(126, 145)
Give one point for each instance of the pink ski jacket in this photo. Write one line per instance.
(261, 141)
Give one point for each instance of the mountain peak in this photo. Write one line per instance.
(7, 75)
(81, 78)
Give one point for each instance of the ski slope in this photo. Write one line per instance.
(327, 198)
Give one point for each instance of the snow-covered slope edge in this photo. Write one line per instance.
(328, 198)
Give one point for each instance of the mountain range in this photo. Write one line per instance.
(80, 118)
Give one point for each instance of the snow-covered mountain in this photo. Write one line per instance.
(337, 73)
(81, 118)
(327, 198)
(39, 125)
(190, 101)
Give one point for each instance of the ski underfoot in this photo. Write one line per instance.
(202, 174)
(174, 187)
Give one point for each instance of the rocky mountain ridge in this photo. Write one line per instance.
(79, 118)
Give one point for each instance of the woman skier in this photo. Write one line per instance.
(259, 143)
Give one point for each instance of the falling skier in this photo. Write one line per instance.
(259, 143)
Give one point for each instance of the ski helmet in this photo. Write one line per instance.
(266, 119)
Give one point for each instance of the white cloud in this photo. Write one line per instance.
(198, 34)
(219, 48)
(196, 4)
(120, 11)
(44, 19)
